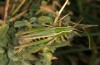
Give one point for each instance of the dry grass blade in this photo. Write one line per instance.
(6, 10)
(59, 13)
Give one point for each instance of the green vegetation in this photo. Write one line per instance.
(49, 32)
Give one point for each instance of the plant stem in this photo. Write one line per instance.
(16, 10)
(19, 15)
(13, 6)
(59, 13)
(6, 10)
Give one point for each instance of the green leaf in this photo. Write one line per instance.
(25, 63)
(4, 41)
(44, 2)
(3, 30)
(40, 11)
(3, 35)
(11, 62)
(45, 19)
(45, 58)
(32, 19)
(17, 63)
(22, 23)
(27, 55)
(4, 60)
(2, 50)
(12, 55)
(1, 57)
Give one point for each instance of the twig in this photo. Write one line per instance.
(64, 16)
(59, 13)
(27, 5)
(6, 10)
(60, 21)
(19, 15)
(67, 1)
(13, 6)
(79, 22)
(22, 13)
(16, 10)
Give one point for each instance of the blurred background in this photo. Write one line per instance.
(79, 53)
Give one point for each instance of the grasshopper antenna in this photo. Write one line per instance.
(79, 22)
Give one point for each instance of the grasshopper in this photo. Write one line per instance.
(46, 35)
